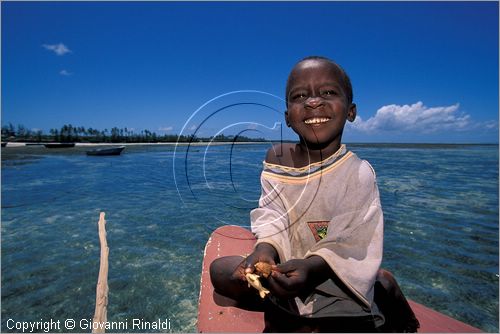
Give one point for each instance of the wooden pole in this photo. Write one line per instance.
(101, 300)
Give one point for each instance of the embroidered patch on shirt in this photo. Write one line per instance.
(318, 229)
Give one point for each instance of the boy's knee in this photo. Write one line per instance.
(216, 268)
(223, 278)
(222, 271)
(386, 279)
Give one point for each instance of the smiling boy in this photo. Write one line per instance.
(319, 101)
(319, 222)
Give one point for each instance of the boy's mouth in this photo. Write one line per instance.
(317, 120)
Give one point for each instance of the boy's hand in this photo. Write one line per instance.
(290, 279)
(298, 277)
(264, 252)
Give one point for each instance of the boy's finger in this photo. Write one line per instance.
(284, 267)
(248, 262)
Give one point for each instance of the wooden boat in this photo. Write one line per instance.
(106, 151)
(59, 145)
(215, 313)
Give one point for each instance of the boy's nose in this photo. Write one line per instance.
(314, 101)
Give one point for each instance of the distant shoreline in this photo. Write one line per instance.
(215, 143)
(23, 144)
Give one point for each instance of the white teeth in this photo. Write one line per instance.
(316, 120)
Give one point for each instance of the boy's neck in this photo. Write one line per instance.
(301, 155)
(317, 153)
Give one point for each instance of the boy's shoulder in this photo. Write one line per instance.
(281, 154)
(366, 173)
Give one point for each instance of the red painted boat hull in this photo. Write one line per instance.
(212, 317)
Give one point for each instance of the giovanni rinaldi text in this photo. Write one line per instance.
(87, 324)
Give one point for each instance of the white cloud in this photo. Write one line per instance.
(165, 128)
(65, 73)
(59, 49)
(193, 127)
(416, 118)
(490, 125)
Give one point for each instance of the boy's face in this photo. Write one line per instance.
(317, 103)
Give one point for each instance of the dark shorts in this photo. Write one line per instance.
(334, 309)
(280, 321)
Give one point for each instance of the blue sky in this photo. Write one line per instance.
(421, 71)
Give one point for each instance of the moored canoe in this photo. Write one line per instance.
(106, 151)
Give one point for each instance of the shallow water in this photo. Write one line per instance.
(441, 227)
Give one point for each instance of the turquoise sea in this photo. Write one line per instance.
(441, 227)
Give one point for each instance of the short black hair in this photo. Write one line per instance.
(346, 81)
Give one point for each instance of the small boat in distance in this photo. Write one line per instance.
(106, 151)
(59, 145)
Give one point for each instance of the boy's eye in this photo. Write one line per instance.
(328, 92)
(300, 96)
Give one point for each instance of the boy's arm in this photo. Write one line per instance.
(270, 222)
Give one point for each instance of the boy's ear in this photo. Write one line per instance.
(351, 113)
(286, 119)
